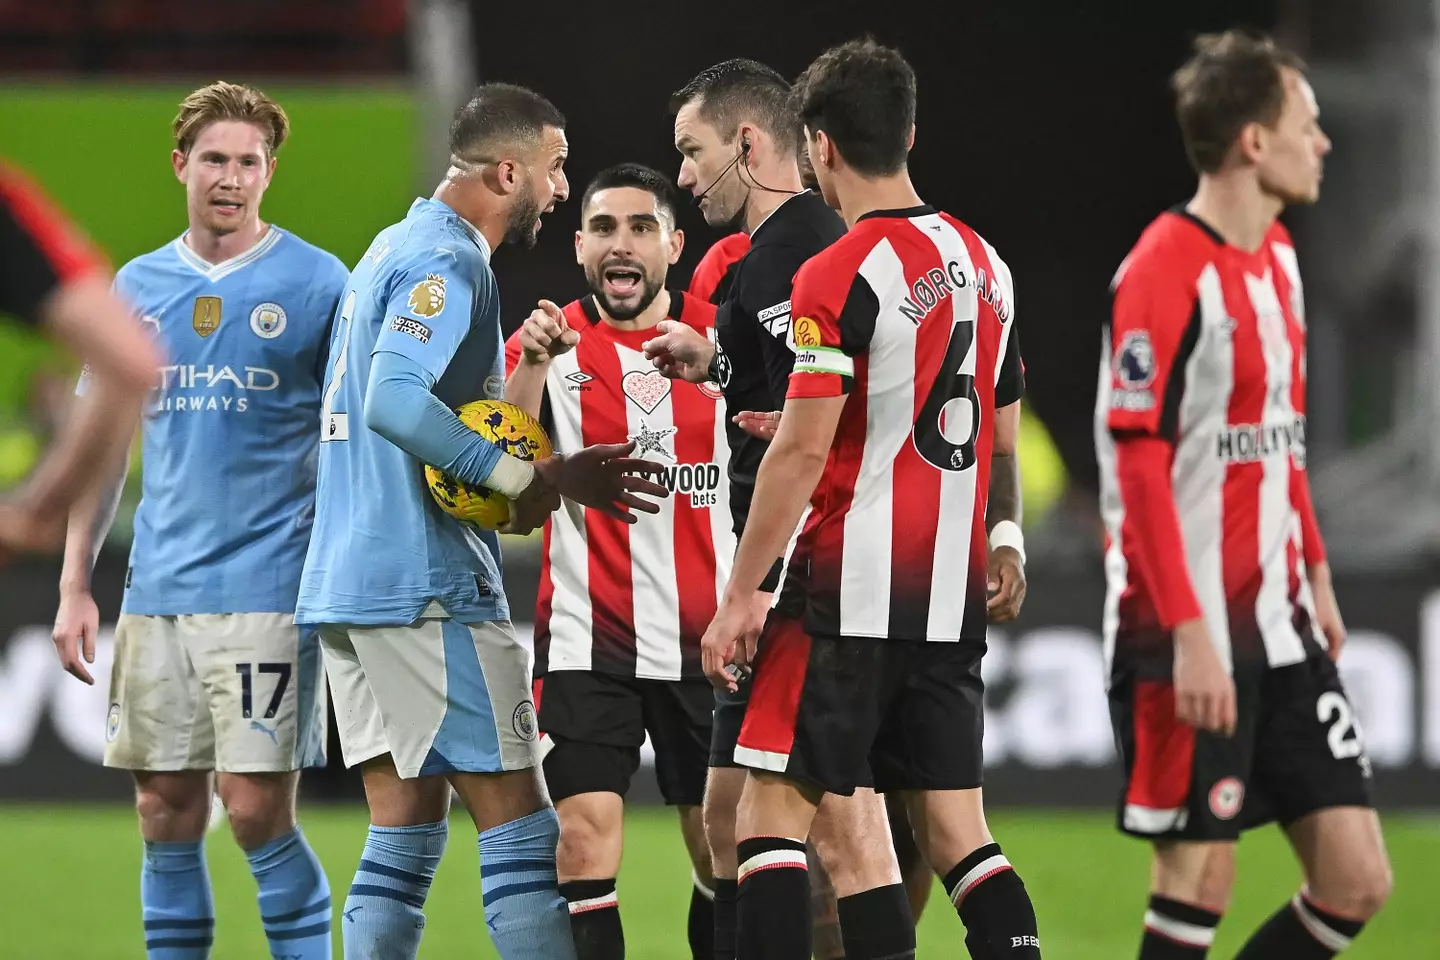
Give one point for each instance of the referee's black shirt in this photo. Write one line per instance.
(752, 327)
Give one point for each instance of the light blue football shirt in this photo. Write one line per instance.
(229, 438)
(382, 549)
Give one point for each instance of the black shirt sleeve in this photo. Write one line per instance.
(763, 292)
(27, 277)
(1010, 386)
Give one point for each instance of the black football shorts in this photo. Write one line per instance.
(1296, 749)
(593, 725)
(842, 712)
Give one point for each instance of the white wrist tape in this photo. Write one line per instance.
(510, 476)
(1007, 534)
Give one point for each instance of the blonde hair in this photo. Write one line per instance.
(230, 101)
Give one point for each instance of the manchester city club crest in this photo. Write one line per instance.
(268, 320)
(206, 319)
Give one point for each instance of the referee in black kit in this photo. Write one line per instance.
(740, 143)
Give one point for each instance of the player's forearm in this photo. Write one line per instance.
(783, 486)
(400, 407)
(1153, 524)
(525, 386)
(89, 524)
(1005, 500)
(1311, 543)
(95, 437)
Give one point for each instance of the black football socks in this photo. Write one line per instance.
(595, 919)
(995, 907)
(1301, 930)
(1177, 931)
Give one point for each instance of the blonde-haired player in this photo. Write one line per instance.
(213, 686)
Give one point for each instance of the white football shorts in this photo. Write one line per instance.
(439, 696)
(232, 692)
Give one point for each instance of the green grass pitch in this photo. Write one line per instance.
(70, 876)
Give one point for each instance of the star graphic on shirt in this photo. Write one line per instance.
(652, 441)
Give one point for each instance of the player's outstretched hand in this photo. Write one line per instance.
(1005, 585)
(604, 477)
(76, 623)
(1327, 609)
(680, 351)
(759, 424)
(1204, 689)
(546, 334)
(722, 648)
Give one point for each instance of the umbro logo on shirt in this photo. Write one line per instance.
(578, 380)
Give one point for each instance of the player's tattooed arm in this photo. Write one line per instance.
(1005, 500)
(1006, 581)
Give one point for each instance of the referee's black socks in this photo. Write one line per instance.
(724, 935)
(773, 903)
(595, 919)
(991, 899)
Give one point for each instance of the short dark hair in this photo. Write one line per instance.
(1232, 79)
(635, 175)
(863, 96)
(497, 116)
(738, 90)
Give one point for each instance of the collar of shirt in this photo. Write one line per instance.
(470, 228)
(772, 213)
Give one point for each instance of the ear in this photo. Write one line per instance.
(677, 246)
(507, 176)
(910, 142)
(1251, 142)
(825, 148)
(270, 170)
(178, 161)
(747, 133)
(579, 246)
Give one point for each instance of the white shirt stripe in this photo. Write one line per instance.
(652, 543)
(890, 399)
(570, 611)
(1277, 517)
(1199, 475)
(950, 572)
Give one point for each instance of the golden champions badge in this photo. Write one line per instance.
(427, 298)
(807, 333)
(206, 319)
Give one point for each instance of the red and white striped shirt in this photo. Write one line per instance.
(616, 598)
(1200, 431)
(911, 315)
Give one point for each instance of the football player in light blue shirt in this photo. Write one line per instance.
(211, 674)
(431, 687)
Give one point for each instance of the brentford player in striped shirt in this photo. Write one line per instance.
(907, 377)
(1228, 710)
(621, 607)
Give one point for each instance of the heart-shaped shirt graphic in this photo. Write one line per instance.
(646, 389)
